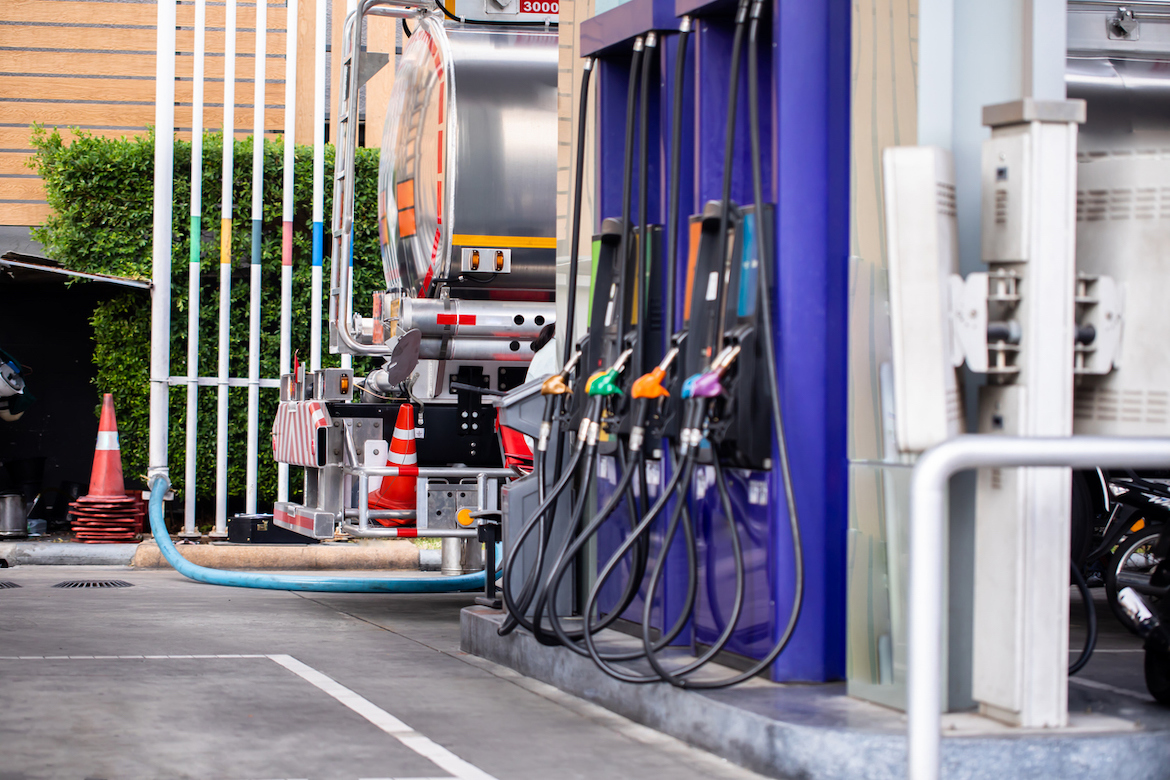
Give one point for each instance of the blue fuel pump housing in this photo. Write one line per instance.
(803, 65)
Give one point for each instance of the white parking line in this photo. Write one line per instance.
(419, 743)
(424, 746)
(1100, 686)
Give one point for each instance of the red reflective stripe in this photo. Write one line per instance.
(407, 533)
(466, 319)
(407, 471)
(447, 319)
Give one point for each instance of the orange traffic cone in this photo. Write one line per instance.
(399, 492)
(106, 479)
(107, 513)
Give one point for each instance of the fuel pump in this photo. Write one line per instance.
(713, 396)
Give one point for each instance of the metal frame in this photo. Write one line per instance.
(341, 271)
(363, 473)
(928, 515)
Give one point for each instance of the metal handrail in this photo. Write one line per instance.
(341, 296)
(928, 516)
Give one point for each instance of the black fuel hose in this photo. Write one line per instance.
(516, 618)
(672, 210)
(542, 598)
(560, 567)
(575, 240)
(765, 292)
(1090, 617)
(639, 67)
(678, 483)
(515, 606)
(741, 14)
(569, 549)
(680, 478)
(627, 186)
(521, 601)
(676, 676)
(642, 265)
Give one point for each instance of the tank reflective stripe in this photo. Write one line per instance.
(107, 440)
(504, 242)
(452, 319)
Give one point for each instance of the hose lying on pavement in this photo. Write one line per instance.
(243, 579)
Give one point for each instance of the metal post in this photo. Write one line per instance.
(225, 268)
(164, 159)
(251, 467)
(189, 480)
(363, 502)
(928, 514)
(286, 267)
(318, 189)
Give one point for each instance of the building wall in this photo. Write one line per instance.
(885, 113)
(90, 64)
(572, 13)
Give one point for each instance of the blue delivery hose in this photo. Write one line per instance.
(242, 579)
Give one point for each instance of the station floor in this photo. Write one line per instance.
(174, 679)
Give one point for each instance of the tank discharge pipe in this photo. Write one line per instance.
(243, 579)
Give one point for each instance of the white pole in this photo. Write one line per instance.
(318, 188)
(164, 163)
(286, 267)
(257, 244)
(225, 267)
(193, 269)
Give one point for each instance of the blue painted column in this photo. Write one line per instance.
(811, 147)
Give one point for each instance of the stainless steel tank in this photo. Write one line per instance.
(468, 167)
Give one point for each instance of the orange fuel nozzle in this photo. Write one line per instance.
(650, 385)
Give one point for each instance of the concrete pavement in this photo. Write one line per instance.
(92, 688)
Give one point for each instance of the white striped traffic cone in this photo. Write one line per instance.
(399, 492)
(106, 478)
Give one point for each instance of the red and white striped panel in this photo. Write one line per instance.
(294, 432)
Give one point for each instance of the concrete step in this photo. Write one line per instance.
(816, 732)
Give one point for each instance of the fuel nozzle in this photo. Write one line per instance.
(604, 382)
(650, 385)
(709, 384)
(558, 384)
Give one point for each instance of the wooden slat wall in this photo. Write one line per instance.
(90, 64)
(885, 113)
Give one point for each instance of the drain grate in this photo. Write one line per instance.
(94, 584)
(8, 584)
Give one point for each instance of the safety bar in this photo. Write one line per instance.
(928, 515)
(386, 514)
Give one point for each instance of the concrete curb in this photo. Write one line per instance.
(395, 554)
(815, 732)
(66, 554)
(391, 554)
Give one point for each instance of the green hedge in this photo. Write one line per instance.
(101, 192)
